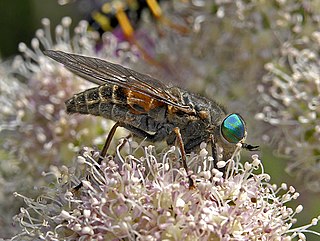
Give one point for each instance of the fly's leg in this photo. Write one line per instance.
(103, 151)
(160, 135)
(105, 148)
(183, 156)
(107, 143)
(214, 151)
(250, 147)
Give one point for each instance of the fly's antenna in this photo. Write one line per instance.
(250, 147)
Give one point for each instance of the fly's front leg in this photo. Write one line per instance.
(214, 151)
(183, 155)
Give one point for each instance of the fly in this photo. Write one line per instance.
(152, 110)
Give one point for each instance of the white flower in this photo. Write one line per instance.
(35, 131)
(136, 198)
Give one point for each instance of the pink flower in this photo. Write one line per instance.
(147, 198)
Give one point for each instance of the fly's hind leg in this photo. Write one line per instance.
(103, 152)
(160, 135)
(107, 143)
(109, 138)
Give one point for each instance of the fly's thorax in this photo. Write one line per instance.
(205, 110)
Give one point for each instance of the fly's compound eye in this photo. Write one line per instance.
(233, 128)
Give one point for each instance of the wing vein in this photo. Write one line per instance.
(102, 72)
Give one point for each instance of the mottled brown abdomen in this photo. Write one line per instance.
(120, 104)
(97, 101)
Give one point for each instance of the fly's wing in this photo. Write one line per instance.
(100, 72)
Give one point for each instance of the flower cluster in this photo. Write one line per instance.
(148, 198)
(290, 94)
(225, 46)
(44, 122)
(35, 130)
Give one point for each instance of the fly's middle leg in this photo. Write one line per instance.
(159, 134)
(183, 156)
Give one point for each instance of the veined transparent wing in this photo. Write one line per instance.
(101, 72)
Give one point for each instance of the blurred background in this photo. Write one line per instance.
(20, 19)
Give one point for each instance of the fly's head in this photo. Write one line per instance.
(233, 129)
(230, 131)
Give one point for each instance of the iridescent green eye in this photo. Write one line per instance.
(233, 128)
